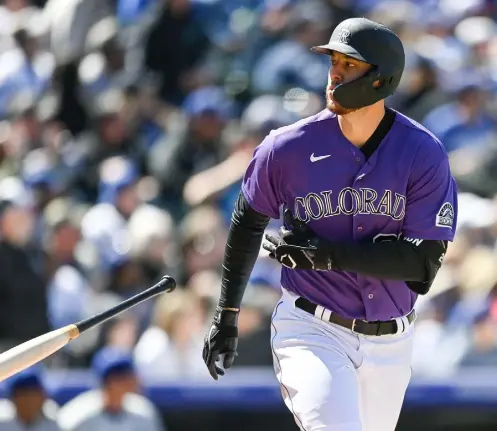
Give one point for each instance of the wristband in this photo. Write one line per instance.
(226, 316)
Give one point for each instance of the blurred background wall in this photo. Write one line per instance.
(125, 130)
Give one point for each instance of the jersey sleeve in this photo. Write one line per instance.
(261, 184)
(431, 206)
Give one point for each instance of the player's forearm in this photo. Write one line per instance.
(242, 248)
(397, 260)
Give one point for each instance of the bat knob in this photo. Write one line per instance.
(168, 283)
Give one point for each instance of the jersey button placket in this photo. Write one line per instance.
(359, 176)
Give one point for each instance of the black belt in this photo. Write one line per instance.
(355, 325)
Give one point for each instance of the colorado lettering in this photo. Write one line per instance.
(313, 201)
(349, 201)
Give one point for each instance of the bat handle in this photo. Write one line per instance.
(166, 284)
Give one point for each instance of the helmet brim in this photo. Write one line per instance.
(339, 47)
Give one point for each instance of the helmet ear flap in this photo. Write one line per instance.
(365, 91)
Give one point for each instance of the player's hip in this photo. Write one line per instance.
(293, 328)
(295, 333)
(293, 309)
(361, 298)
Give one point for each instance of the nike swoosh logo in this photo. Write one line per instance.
(318, 158)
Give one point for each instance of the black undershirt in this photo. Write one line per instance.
(398, 260)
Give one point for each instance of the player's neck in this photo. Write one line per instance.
(26, 415)
(113, 403)
(358, 126)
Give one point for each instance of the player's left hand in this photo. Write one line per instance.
(221, 342)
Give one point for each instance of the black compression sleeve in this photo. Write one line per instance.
(242, 248)
(415, 262)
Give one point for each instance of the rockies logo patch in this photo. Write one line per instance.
(445, 216)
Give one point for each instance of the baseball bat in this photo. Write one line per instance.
(35, 350)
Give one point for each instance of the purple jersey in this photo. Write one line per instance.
(404, 188)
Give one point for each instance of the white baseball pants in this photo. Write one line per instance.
(335, 380)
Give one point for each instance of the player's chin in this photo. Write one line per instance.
(334, 107)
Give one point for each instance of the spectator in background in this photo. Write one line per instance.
(110, 227)
(70, 296)
(110, 138)
(70, 22)
(464, 123)
(191, 146)
(25, 126)
(23, 303)
(444, 332)
(42, 175)
(153, 242)
(103, 68)
(126, 278)
(9, 163)
(45, 180)
(104, 225)
(272, 21)
(476, 171)
(62, 237)
(254, 326)
(145, 115)
(289, 63)
(205, 285)
(29, 406)
(13, 11)
(175, 49)
(203, 234)
(420, 93)
(482, 350)
(26, 69)
(168, 349)
(116, 405)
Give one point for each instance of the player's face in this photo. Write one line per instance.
(343, 69)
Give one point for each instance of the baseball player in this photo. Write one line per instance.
(369, 208)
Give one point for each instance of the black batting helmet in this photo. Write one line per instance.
(375, 44)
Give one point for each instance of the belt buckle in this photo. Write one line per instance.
(353, 326)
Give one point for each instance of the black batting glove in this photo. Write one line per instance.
(298, 247)
(222, 339)
(298, 257)
(295, 232)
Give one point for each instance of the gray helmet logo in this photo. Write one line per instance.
(344, 35)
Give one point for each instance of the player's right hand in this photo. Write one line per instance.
(222, 339)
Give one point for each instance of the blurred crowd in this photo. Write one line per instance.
(125, 130)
